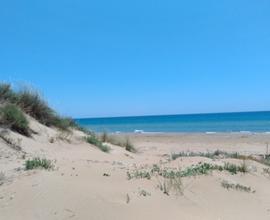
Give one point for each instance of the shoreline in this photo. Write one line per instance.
(187, 133)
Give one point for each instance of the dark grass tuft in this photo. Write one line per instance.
(12, 117)
(37, 163)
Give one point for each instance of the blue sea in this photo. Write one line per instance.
(217, 122)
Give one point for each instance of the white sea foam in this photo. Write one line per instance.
(245, 132)
(139, 131)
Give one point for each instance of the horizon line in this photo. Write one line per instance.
(184, 114)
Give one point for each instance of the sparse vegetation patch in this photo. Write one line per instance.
(92, 139)
(265, 159)
(126, 143)
(237, 187)
(38, 163)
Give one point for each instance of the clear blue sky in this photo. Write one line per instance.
(112, 58)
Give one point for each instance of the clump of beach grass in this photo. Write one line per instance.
(12, 117)
(129, 146)
(92, 139)
(38, 163)
(238, 187)
(126, 143)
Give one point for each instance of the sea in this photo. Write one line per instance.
(245, 122)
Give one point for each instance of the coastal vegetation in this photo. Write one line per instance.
(170, 179)
(38, 163)
(125, 143)
(238, 187)
(14, 104)
(194, 170)
(263, 159)
(92, 139)
(12, 117)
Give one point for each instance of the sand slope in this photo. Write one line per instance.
(78, 189)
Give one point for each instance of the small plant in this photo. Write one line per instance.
(39, 163)
(238, 187)
(129, 146)
(139, 174)
(144, 193)
(168, 183)
(12, 117)
(92, 139)
(234, 169)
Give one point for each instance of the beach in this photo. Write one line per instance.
(87, 183)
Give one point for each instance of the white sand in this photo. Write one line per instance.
(77, 189)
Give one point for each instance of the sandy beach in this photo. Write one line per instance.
(87, 183)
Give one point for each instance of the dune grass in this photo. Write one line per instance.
(12, 117)
(92, 139)
(31, 102)
(38, 163)
(125, 143)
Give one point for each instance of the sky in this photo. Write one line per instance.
(121, 58)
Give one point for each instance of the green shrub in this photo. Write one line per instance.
(12, 117)
(38, 163)
(92, 139)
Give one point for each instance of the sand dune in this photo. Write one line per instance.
(89, 184)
